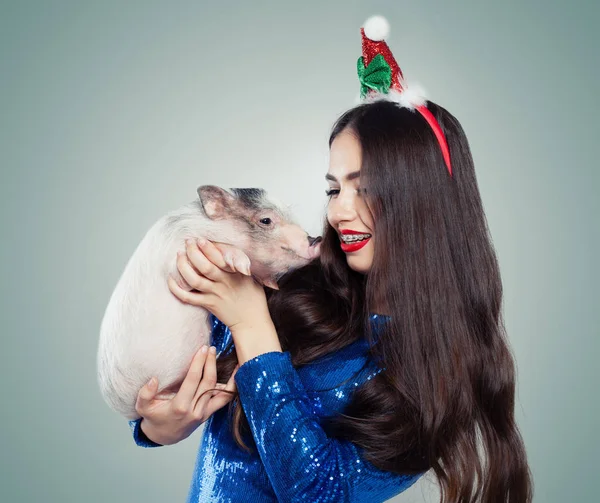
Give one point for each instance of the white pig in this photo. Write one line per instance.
(147, 331)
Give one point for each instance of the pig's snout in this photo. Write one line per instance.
(314, 246)
(301, 247)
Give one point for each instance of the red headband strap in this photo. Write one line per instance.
(438, 133)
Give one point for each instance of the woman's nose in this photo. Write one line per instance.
(342, 209)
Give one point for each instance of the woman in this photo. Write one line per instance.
(384, 358)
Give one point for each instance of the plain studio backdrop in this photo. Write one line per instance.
(112, 113)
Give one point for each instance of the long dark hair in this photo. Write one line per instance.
(446, 398)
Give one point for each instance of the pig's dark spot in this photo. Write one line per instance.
(253, 199)
(173, 221)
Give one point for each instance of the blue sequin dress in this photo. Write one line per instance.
(296, 460)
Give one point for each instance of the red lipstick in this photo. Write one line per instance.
(352, 247)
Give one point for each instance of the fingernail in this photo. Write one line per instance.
(201, 241)
(213, 350)
(204, 349)
(189, 241)
(151, 381)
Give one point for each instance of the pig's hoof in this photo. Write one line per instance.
(237, 260)
(242, 264)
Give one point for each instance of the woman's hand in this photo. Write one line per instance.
(167, 422)
(234, 298)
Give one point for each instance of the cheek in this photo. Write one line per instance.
(367, 217)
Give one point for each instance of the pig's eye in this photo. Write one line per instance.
(266, 221)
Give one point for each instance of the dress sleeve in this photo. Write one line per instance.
(220, 335)
(139, 437)
(301, 461)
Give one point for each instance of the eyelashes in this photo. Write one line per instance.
(332, 192)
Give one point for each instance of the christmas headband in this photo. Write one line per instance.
(381, 78)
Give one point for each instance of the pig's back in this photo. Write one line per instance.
(146, 330)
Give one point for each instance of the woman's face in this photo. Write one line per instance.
(347, 211)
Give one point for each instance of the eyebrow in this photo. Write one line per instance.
(349, 176)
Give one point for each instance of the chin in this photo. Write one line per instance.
(360, 266)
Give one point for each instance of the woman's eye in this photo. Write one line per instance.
(333, 192)
(266, 221)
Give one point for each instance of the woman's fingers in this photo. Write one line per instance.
(209, 380)
(190, 275)
(193, 298)
(145, 396)
(183, 284)
(185, 395)
(222, 397)
(213, 254)
(202, 263)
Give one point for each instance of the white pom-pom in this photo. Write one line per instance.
(413, 96)
(410, 97)
(376, 28)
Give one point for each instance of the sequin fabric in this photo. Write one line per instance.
(293, 460)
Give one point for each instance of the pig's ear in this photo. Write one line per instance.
(216, 201)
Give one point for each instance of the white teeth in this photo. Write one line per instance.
(354, 238)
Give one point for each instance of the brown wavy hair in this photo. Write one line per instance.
(446, 398)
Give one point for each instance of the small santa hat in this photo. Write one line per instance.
(381, 78)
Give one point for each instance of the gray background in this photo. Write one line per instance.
(112, 113)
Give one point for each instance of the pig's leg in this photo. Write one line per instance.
(235, 258)
(240, 262)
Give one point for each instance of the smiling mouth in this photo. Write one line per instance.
(355, 245)
(353, 238)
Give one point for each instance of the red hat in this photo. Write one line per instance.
(381, 78)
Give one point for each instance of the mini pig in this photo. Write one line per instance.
(147, 331)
